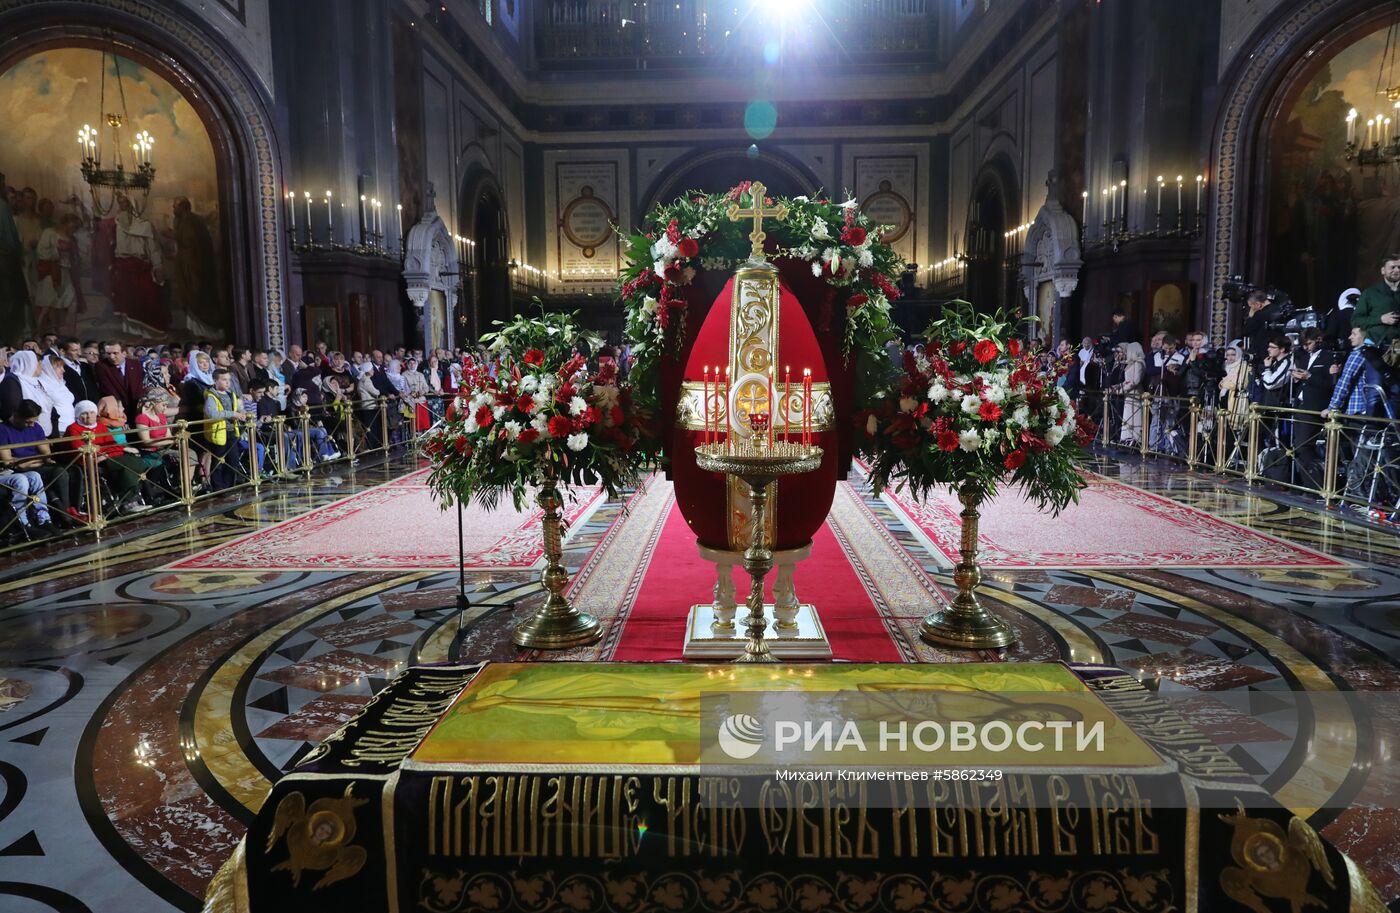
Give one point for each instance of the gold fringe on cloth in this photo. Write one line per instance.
(228, 891)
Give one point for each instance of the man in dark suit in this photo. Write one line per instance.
(1313, 380)
(78, 375)
(120, 376)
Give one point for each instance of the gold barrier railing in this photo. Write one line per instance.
(191, 461)
(1351, 459)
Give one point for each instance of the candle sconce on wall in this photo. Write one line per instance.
(312, 218)
(1173, 207)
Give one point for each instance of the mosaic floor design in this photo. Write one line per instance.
(144, 711)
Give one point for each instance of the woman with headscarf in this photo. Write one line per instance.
(396, 376)
(120, 465)
(1234, 389)
(432, 373)
(1134, 365)
(415, 397)
(38, 383)
(199, 379)
(367, 405)
(280, 387)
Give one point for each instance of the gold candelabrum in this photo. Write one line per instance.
(758, 463)
(557, 625)
(965, 623)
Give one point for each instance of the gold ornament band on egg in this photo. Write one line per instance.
(690, 407)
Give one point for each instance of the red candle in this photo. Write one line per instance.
(806, 407)
(787, 402)
(705, 435)
(728, 416)
(771, 410)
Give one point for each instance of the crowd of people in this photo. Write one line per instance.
(1345, 363)
(60, 394)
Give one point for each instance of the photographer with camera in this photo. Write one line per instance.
(1378, 310)
(1336, 325)
(1258, 325)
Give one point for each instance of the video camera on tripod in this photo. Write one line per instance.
(1279, 313)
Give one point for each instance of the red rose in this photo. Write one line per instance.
(528, 435)
(525, 404)
(856, 301)
(948, 441)
(985, 351)
(957, 348)
(1013, 348)
(854, 236)
(1015, 459)
(559, 426)
(688, 247)
(483, 416)
(534, 357)
(989, 412)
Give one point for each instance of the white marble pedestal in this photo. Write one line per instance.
(794, 629)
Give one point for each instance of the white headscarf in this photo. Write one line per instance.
(396, 377)
(1343, 303)
(58, 392)
(85, 405)
(43, 388)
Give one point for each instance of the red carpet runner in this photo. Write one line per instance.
(678, 578)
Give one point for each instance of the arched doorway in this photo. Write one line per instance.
(717, 172)
(986, 241)
(493, 247)
(228, 101)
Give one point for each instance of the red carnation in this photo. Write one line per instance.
(856, 301)
(1015, 459)
(957, 348)
(559, 426)
(688, 247)
(534, 357)
(528, 435)
(985, 351)
(854, 236)
(525, 404)
(989, 412)
(1013, 348)
(483, 416)
(948, 441)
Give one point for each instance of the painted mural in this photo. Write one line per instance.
(1331, 221)
(160, 273)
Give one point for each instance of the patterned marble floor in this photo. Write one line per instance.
(144, 712)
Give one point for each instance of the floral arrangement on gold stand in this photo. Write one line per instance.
(531, 420)
(975, 411)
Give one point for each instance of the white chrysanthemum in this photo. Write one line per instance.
(663, 249)
(547, 383)
(540, 424)
(866, 257)
(961, 379)
(1022, 416)
(970, 440)
(577, 442)
(971, 404)
(1055, 435)
(1065, 401)
(994, 394)
(481, 399)
(828, 254)
(499, 412)
(816, 269)
(577, 406)
(938, 393)
(659, 267)
(543, 398)
(512, 430)
(528, 383)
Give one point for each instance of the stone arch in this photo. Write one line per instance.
(485, 221)
(782, 175)
(1252, 92)
(230, 100)
(989, 215)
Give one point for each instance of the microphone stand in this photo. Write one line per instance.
(462, 603)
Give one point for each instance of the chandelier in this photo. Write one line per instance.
(109, 184)
(1381, 145)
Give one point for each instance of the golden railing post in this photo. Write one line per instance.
(384, 424)
(1252, 454)
(1192, 429)
(1331, 460)
(1222, 429)
(254, 466)
(1107, 426)
(182, 446)
(308, 461)
(350, 433)
(97, 520)
(279, 425)
(1144, 445)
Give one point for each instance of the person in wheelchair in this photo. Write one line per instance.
(118, 465)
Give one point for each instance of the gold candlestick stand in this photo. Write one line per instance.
(758, 465)
(557, 625)
(966, 623)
